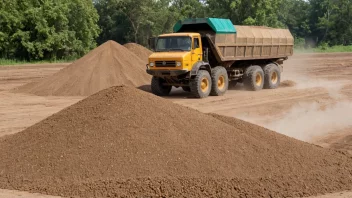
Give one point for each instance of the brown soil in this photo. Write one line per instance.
(142, 52)
(344, 143)
(288, 83)
(108, 65)
(339, 140)
(126, 142)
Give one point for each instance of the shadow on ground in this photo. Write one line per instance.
(178, 93)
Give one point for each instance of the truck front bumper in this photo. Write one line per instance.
(162, 73)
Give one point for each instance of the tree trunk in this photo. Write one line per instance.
(135, 29)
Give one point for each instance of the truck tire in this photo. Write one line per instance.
(158, 88)
(201, 84)
(220, 81)
(253, 78)
(272, 76)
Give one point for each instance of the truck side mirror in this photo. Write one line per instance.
(152, 43)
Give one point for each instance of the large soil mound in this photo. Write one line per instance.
(142, 52)
(124, 142)
(108, 65)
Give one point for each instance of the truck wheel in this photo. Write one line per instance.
(253, 78)
(186, 89)
(220, 81)
(158, 88)
(201, 84)
(272, 76)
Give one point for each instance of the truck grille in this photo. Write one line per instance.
(165, 63)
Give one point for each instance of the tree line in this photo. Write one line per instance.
(56, 29)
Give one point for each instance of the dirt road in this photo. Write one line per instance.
(18, 111)
(317, 109)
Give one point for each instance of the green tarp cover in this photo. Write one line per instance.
(220, 26)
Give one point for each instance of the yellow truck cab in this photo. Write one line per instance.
(203, 55)
(175, 54)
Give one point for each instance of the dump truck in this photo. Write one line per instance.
(205, 55)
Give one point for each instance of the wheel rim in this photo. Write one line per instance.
(258, 79)
(204, 85)
(274, 78)
(221, 82)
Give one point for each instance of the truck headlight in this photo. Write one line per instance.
(178, 64)
(151, 64)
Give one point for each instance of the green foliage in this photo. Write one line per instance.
(254, 12)
(295, 15)
(313, 21)
(182, 9)
(299, 43)
(323, 46)
(325, 49)
(336, 48)
(49, 29)
(136, 21)
(331, 21)
(56, 29)
(9, 62)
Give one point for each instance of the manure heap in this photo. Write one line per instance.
(108, 65)
(142, 52)
(124, 142)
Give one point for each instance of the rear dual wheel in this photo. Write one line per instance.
(256, 78)
(272, 76)
(253, 78)
(205, 84)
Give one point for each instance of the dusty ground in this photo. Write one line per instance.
(317, 109)
(19, 194)
(18, 111)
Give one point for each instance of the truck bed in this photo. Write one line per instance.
(253, 42)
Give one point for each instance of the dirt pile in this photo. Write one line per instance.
(142, 52)
(108, 65)
(124, 142)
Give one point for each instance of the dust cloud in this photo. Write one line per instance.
(307, 82)
(307, 120)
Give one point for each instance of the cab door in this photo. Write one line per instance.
(196, 50)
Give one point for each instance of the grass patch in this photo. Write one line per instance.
(20, 62)
(337, 48)
(325, 49)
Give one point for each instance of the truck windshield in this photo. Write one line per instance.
(174, 43)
